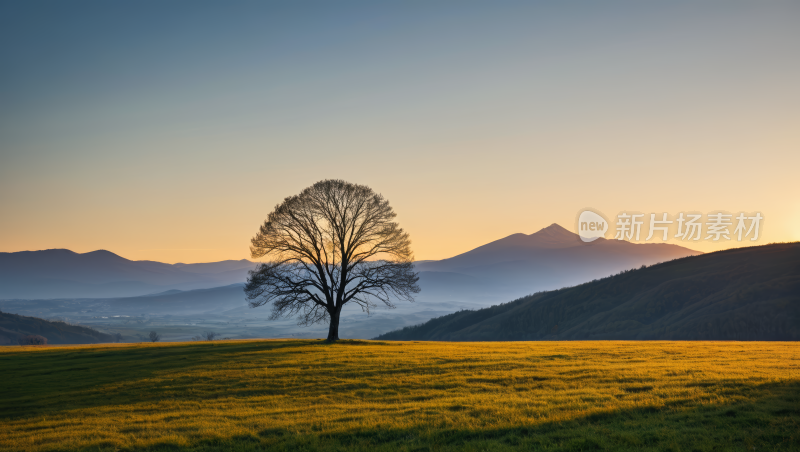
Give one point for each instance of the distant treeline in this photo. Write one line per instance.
(739, 294)
(14, 327)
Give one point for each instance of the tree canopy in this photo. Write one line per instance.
(332, 244)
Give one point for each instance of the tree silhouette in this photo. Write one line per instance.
(334, 243)
(154, 337)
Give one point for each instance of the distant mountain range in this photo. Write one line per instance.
(739, 294)
(62, 273)
(549, 259)
(116, 295)
(513, 266)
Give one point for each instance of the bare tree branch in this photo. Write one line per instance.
(334, 243)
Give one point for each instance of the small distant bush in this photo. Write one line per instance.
(32, 339)
(207, 336)
(154, 337)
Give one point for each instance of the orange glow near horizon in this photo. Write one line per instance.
(436, 249)
(475, 121)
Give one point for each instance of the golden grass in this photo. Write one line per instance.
(293, 395)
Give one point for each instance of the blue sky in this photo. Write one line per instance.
(148, 126)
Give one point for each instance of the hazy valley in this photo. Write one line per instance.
(181, 301)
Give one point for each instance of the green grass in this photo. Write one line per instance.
(414, 396)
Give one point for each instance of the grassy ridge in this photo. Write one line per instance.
(308, 395)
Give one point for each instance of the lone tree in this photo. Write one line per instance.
(154, 337)
(334, 243)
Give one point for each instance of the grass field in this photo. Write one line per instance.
(309, 395)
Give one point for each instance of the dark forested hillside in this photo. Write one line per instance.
(13, 326)
(740, 294)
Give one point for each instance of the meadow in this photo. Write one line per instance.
(308, 395)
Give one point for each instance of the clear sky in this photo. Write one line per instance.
(169, 130)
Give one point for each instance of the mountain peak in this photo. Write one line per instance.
(555, 227)
(102, 254)
(553, 235)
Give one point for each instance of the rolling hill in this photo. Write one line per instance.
(13, 326)
(739, 294)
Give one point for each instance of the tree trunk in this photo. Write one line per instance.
(333, 330)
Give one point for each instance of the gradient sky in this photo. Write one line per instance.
(169, 130)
